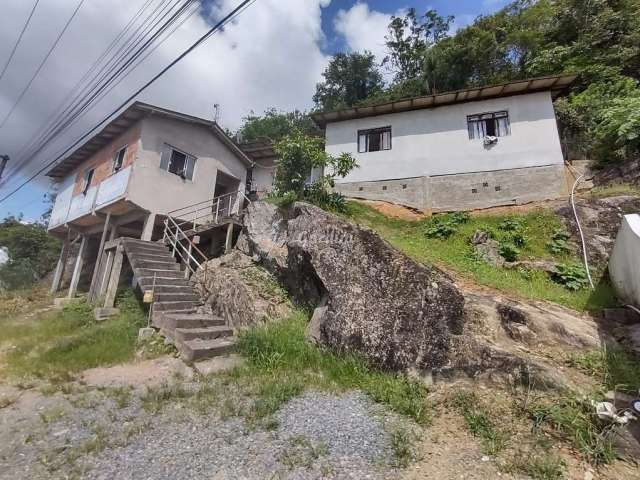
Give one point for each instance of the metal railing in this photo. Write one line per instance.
(182, 224)
(209, 212)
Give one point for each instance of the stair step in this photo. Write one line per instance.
(168, 289)
(172, 306)
(152, 248)
(208, 333)
(159, 273)
(185, 296)
(174, 320)
(198, 349)
(155, 264)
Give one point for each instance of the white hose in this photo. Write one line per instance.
(584, 246)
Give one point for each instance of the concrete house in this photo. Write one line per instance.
(468, 149)
(147, 165)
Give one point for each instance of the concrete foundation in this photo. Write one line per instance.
(466, 191)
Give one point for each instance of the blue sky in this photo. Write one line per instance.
(230, 68)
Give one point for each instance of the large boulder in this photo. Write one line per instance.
(373, 299)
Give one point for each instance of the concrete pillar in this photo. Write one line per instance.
(78, 268)
(96, 268)
(228, 244)
(62, 262)
(114, 277)
(147, 230)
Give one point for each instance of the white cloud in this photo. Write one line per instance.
(270, 56)
(363, 29)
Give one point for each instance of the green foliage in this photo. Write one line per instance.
(445, 225)
(559, 245)
(457, 254)
(571, 276)
(617, 132)
(509, 251)
(615, 368)
(298, 155)
(273, 125)
(576, 419)
(32, 253)
(480, 423)
(285, 363)
(539, 466)
(55, 344)
(510, 225)
(349, 79)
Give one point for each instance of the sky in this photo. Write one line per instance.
(272, 55)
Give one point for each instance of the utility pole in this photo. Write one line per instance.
(3, 163)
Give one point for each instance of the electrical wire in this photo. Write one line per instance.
(242, 6)
(55, 44)
(15, 47)
(79, 105)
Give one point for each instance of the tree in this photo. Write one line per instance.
(32, 252)
(299, 154)
(349, 79)
(274, 125)
(408, 40)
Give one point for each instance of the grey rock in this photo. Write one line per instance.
(380, 303)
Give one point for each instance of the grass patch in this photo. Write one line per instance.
(613, 367)
(56, 344)
(302, 452)
(539, 466)
(534, 232)
(403, 447)
(284, 363)
(480, 423)
(574, 419)
(14, 302)
(615, 189)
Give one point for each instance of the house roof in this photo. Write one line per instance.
(258, 150)
(555, 84)
(125, 120)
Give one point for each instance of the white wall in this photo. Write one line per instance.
(436, 141)
(159, 191)
(624, 263)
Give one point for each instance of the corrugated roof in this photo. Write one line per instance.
(555, 83)
(125, 120)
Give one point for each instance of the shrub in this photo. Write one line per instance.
(510, 225)
(558, 245)
(509, 251)
(440, 230)
(572, 277)
(519, 239)
(459, 218)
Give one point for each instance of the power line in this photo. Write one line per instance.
(55, 44)
(81, 108)
(15, 47)
(230, 16)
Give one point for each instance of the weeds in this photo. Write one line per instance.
(120, 395)
(302, 452)
(403, 447)
(613, 366)
(572, 277)
(480, 423)
(283, 364)
(539, 466)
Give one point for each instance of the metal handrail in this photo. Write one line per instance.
(212, 200)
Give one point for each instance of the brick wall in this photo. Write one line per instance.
(102, 160)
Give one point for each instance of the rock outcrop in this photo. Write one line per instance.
(243, 294)
(402, 315)
(375, 300)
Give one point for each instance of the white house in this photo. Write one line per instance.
(468, 149)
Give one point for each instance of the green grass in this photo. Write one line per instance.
(480, 423)
(281, 363)
(539, 466)
(615, 368)
(54, 345)
(457, 254)
(615, 189)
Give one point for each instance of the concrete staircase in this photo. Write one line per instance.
(176, 306)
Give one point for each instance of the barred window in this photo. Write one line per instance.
(488, 124)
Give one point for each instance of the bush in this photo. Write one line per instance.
(572, 277)
(510, 225)
(558, 245)
(509, 251)
(441, 230)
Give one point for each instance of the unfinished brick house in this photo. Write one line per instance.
(148, 199)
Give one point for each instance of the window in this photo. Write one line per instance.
(86, 181)
(118, 158)
(488, 124)
(374, 140)
(177, 162)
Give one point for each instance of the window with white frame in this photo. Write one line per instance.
(177, 162)
(86, 180)
(118, 158)
(374, 140)
(495, 124)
